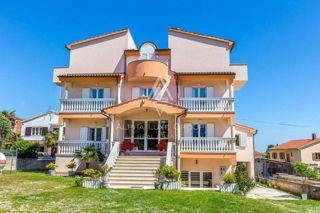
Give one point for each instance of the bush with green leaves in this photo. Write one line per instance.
(92, 173)
(244, 182)
(88, 154)
(78, 182)
(71, 165)
(104, 169)
(306, 172)
(51, 166)
(26, 149)
(229, 178)
(166, 172)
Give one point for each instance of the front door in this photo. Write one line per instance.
(222, 172)
(146, 134)
(288, 157)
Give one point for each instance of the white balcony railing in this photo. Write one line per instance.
(86, 105)
(207, 104)
(70, 147)
(190, 144)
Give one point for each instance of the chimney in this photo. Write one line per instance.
(314, 136)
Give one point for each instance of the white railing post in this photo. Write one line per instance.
(169, 153)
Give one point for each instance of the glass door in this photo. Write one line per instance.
(153, 135)
(139, 134)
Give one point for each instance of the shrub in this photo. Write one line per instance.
(71, 165)
(26, 149)
(159, 173)
(104, 169)
(78, 182)
(92, 173)
(306, 172)
(245, 183)
(229, 178)
(170, 173)
(51, 166)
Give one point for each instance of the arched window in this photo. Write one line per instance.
(147, 51)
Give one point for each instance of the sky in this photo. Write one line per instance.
(279, 40)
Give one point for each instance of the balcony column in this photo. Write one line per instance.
(60, 136)
(111, 132)
(231, 93)
(233, 136)
(178, 137)
(119, 90)
(63, 94)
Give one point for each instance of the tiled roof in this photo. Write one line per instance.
(230, 42)
(258, 153)
(295, 144)
(68, 46)
(91, 75)
(205, 73)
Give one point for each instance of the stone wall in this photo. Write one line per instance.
(26, 164)
(293, 184)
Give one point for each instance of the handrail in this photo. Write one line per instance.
(169, 153)
(113, 154)
(184, 98)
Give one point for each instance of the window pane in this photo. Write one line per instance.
(237, 140)
(185, 177)
(138, 129)
(202, 92)
(94, 93)
(99, 131)
(207, 179)
(150, 93)
(164, 129)
(202, 130)
(195, 92)
(143, 92)
(195, 179)
(100, 95)
(153, 129)
(33, 131)
(91, 134)
(195, 130)
(127, 127)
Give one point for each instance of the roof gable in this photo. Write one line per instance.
(40, 115)
(296, 144)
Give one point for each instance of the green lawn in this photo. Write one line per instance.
(26, 191)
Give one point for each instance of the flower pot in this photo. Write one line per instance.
(157, 185)
(105, 182)
(171, 185)
(304, 196)
(71, 173)
(52, 172)
(228, 187)
(92, 184)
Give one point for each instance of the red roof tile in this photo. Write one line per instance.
(294, 144)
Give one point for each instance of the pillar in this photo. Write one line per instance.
(111, 132)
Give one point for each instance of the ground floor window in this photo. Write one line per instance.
(197, 179)
(281, 155)
(274, 155)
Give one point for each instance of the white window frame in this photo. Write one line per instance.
(199, 130)
(198, 91)
(97, 93)
(149, 54)
(149, 92)
(95, 133)
(36, 131)
(201, 178)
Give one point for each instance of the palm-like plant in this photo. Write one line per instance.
(88, 154)
(11, 115)
(51, 141)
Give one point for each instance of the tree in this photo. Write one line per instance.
(88, 154)
(244, 182)
(26, 149)
(12, 137)
(5, 127)
(10, 115)
(268, 151)
(305, 172)
(51, 141)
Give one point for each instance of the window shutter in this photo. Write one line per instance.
(313, 156)
(210, 130)
(27, 131)
(44, 131)
(243, 140)
(106, 93)
(188, 92)
(83, 133)
(85, 92)
(187, 130)
(103, 134)
(209, 92)
(135, 92)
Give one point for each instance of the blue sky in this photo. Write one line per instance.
(279, 40)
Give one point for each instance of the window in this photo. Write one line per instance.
(95, 134)
(147, 51)
(317, 156)
(237, 140)
(146, 92)
(274, 156)
(199, 92)
(281, 155)
(197, 179)
(36, 131)
(198, 130)
(291, 154)
(96, 93)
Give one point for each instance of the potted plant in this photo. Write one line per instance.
(127, 145)
(171, 176)
(94, 178)
(71, 166)
(51, 167)
(88, 154)
(162, 145)
(159, 175)
(229, 183)
(305, 172)
(105, 170)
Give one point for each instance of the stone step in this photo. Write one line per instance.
(132, 179)
(131, 183)
(133, 174)
(135, 166)
(137, 162)
(129, 172)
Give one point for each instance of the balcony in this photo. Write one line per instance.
(86, 105)
(70, 147)
(207, 145)
(147, 70)
(208, 104)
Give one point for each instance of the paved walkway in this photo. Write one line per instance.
(260, 192)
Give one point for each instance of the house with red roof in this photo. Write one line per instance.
(305, 150)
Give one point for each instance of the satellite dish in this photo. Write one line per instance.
(3, 161)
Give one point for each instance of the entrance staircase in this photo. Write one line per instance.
(134, 171)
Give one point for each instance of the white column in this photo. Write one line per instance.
(111, 132)
(119, 90)
(60, 133)
(233, 136)
(231, 94)
(178, 143)
(63, 94)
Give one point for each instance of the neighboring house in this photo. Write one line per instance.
(258, 154)
(305, 150)
(18, 125)
(114, 91)
(34, 129)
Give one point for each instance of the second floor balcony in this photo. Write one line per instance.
(86, 104)
(208, 104)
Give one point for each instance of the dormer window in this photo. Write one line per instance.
(147, 51)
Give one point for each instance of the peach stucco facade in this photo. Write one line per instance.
(113, 91)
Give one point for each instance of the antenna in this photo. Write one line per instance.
(49, 107)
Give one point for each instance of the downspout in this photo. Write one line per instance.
(177, 142)
(110, 120)
(254, 159)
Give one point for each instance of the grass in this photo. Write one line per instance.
(30, 191)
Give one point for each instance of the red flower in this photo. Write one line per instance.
(126, 145)
(162, 145)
